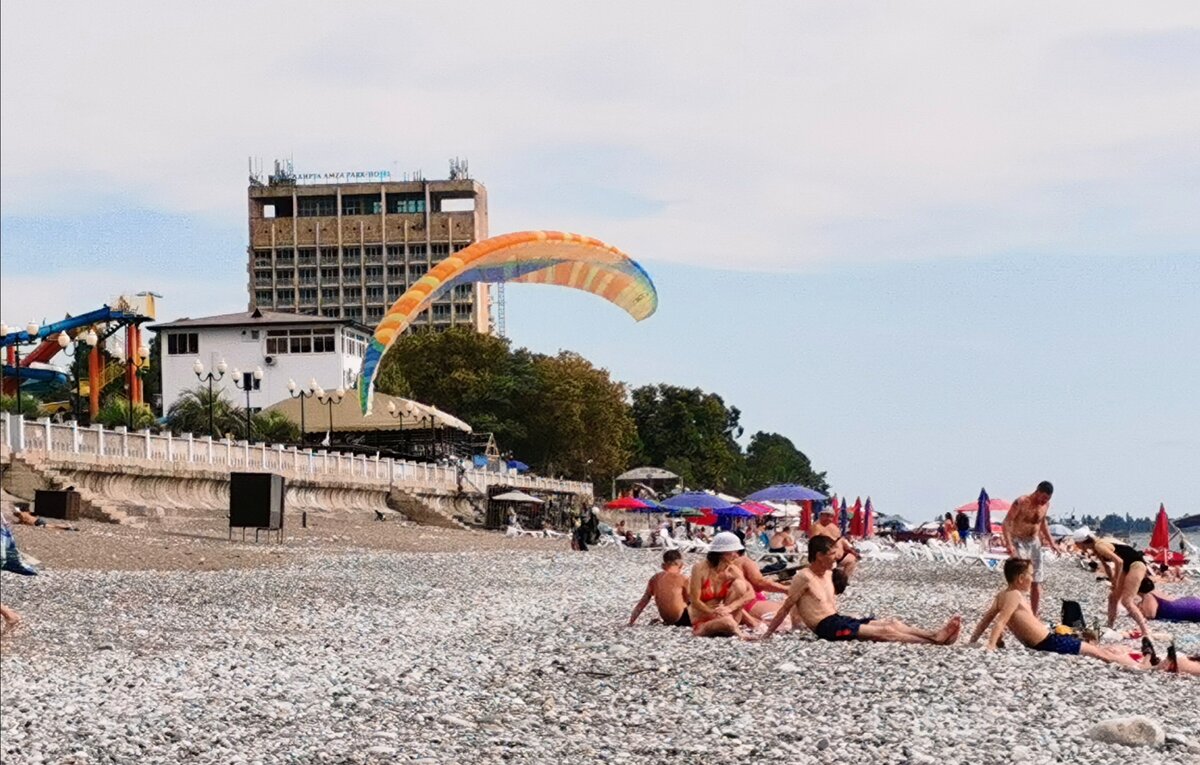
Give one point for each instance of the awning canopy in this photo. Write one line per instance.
(348, 416)
(516, 496)
(647, 474)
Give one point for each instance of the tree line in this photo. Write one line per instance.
(564, 416)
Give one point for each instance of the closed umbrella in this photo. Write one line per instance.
(868, 519)
(983, 521)
(843, 518)
(806, 515)
(856, 519)
(1161, 538)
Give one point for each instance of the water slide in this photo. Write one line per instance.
(128, 313)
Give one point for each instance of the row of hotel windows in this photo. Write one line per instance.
(352, 204)
(286, 256)
(351, 294)
(279, 342)
(374, 313)
(263, 276)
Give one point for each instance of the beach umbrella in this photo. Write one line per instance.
(626, 503)
(856, 518)
(1161, 538)
(868, 519)
(843, 518)
(983, 521)
(734, 511)
(685, 512)
(650, 506)
(785, 492)
(994, 506)
(517, 496)
(806, 515)
(698, 499)
(757, 508)
(1058, 531)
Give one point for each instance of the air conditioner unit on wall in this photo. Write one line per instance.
(269, 361)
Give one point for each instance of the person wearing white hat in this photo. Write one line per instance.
(719, 591)
(1127, 572)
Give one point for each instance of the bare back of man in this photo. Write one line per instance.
(1033, 632)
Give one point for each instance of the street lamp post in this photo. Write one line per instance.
(328, 401)
(89, 340)
(247, 384)
(31, 331)
(209, 378)
(295, 392)
(139, 362)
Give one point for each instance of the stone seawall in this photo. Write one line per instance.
(123, 490)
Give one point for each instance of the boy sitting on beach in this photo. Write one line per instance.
(669, 590)
(1011, 610)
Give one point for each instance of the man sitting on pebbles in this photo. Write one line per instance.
(669, 590)
(844, 553)
(1011, 610)
(813, 598)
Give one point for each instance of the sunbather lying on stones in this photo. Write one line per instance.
(719, 591)
(844, 552)
(26, 518)
(669, 591)
(1011, 610)
(812, 599)
(1155, 605)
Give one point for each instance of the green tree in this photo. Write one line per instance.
(29, 404)
(580, 425)
(114, 413)
(689, 432)
(474, 376)
(274, 427)
(772, 458)
(189, 414)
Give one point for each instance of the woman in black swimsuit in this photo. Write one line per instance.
(1127, 570)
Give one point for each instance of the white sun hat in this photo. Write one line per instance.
(1081, 534)
(726, 541)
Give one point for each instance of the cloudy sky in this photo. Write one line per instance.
(938, 244)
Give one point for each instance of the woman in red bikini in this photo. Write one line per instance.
(719, 591)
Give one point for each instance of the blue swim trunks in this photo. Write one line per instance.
(838, 627)
(1060, 644)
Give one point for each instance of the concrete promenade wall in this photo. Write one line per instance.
(124, 476)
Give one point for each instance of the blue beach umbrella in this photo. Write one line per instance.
(983, 518)
(785, 492)
(843, 517)
(700, 500)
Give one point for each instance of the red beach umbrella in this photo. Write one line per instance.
(1161, 538)
(806, 515)
(626, 503)
(856, 520)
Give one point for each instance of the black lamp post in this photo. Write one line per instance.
(88, 340)
(328, 401)
(210, 378)
(247, 382)
(31, 336)
(295, 392)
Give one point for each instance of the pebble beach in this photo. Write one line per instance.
(356, 642)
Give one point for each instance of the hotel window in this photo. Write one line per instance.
(307, 256)
(332, 313)
(308, 296)
(374, 294)
(329, 275)
(285, 296)
(353, 313)
(329, 294)
(417, 270)
(399, 204)
(351, 273)
(375, 313)
(461, 246)
(463, 291)
(395, 273)
(183, 343)
(308, 276)
(395, 253)
(351, 293)
(374, 273)
(438, 251)
(314, 206)
(394, 292)
(373, 254)
(323, 341)
(284, 257)
(352, 255)
(329, 255)
(441, 311)
(262, 297)
(416, 251)
(262, 258)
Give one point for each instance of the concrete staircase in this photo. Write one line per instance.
(421, 511)
(24, 476)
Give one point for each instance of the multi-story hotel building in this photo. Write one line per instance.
(347, 245)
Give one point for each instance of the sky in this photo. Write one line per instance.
(939, 245)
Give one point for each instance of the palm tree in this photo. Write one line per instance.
(274, 427)
(190, 413)
(115, 413)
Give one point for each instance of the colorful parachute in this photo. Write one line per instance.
(529, 257)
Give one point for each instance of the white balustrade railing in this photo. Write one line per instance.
(97, 441)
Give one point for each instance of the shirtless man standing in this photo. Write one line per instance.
(814, 602)
(1010, 610)
(1025, 530)
(845, 553)
(669, 590)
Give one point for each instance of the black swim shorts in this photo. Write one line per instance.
(838, 627)
(1060, 644)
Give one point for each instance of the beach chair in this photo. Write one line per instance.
(515, 530)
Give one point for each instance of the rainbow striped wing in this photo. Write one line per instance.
(527, 257)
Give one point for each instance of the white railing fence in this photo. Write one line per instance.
(21, 435)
